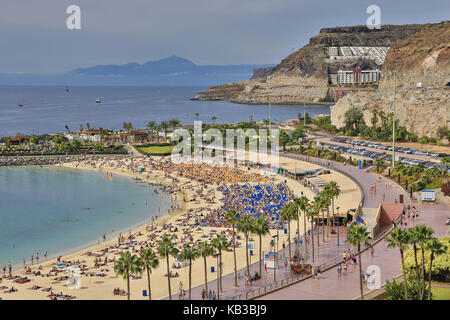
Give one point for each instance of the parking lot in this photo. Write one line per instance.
(375, 151)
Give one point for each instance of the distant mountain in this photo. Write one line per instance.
(171, 71)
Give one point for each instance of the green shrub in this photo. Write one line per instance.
(423, 140)
(395, 290)
(441, 263)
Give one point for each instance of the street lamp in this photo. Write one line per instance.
(337, 209)
(275, 262)
(218, 282)
(393, 121)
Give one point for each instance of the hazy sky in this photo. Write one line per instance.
(35, 39)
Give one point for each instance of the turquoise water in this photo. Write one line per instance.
(59, 210)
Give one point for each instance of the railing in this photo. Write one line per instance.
(322, 163)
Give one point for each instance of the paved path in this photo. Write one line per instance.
(332, 287)
(131, 150)
(363, 178)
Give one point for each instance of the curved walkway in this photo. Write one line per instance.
(327, 253)
(331, 287)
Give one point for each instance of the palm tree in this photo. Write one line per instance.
(126, 266)
(318, 204)
(214, 118)
(232, 217)
(88, 126)
(81, 128)
(379, 162)
(196, 116)
(151, 125)
(400, 238)
(149, 261)
(190, 253)
(166, 249)
(174, 124)
(205, 250)
(423, 234)
(334, 191)
(303, 206)
(326, 196)
(164, 125)
(289, 212)
(414, 240)
(445, 162)
(246, 227)
(220, 243)
(67, 128)
(261, 229)
(158, 129)
(436, 248)
(357, 235)
(312, 212)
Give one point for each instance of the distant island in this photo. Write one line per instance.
(170, 71)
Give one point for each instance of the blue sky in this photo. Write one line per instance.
(35, 39)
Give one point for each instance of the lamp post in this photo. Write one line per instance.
(304, 107)
(275, 262)
(337, 210)
(393, 121)
(218, 282)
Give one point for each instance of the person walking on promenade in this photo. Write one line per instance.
(313, 272)
(345, 267)
(372, 250)
(339, 270)
(203, 294)
(4, 270)
(32, 259)
(10, 268)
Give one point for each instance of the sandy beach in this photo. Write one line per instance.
(192, 200)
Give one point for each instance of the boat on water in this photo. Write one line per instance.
(67, 89)
(98, 100)
(20, 105)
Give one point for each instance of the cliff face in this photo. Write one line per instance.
(422, 57)
(421, 111)
(308, 68)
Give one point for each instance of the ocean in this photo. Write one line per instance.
(60, 210)
(47, 109)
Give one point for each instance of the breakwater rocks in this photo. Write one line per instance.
(46, 160)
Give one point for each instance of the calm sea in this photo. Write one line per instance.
(60, 210)
(47, 109)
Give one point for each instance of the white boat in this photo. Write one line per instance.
(98, 100)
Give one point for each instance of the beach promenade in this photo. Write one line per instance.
(331, 287)
(328, 285)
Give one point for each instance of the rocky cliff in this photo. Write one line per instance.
(422, 57)
(304, 74)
